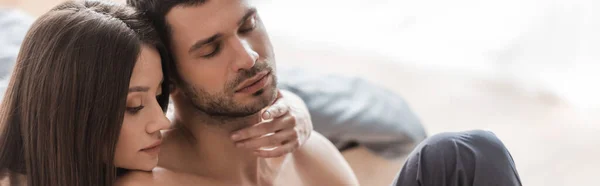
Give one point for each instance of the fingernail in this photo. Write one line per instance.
(267, 115)
(235, 137)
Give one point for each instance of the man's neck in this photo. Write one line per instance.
(205, 146)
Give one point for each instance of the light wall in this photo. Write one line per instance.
(541, 46)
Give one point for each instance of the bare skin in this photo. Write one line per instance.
(315, 163)
(288, 118)
(203, 154)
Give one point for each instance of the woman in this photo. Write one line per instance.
(85, 97)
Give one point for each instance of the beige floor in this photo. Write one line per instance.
(552, 144)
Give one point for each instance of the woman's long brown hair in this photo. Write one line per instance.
(63, 109)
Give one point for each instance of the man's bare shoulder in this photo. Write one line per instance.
(319, 161)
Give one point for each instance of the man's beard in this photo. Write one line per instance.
(223, 106)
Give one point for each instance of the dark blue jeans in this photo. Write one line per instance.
(471, 158)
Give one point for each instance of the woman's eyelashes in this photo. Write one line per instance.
(135, 104)
(135, 110)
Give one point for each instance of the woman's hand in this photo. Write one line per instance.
(286, 126)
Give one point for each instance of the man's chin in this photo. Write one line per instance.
(257, 103)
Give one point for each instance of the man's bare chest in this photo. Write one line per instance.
(285, 175)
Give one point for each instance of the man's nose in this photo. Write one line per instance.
(245, 56)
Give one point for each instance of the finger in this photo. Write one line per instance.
(279, 95)
(278, 109)
(280, 151)
(264, 128)
(274, 140)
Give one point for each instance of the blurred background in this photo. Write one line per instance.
(528, 70)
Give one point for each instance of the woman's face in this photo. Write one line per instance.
(139, 141)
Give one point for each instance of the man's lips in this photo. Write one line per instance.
(252, 81)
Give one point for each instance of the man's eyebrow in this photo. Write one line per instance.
(249, 13)
(203, 42)
(139, 89)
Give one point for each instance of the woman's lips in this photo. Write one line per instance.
(154, 148)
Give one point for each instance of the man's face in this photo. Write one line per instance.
(224, 57)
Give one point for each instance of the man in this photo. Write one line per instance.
(225, 75)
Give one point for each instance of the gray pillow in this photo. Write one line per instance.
(349, 110)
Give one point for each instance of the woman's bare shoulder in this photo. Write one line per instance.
(136, 178)
(159, 177)
(12, 179)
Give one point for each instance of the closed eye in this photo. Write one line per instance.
(248, 26)
(215, 50)
(135, 110)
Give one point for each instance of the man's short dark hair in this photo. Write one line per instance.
(156, 11)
